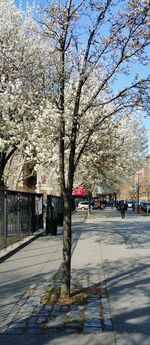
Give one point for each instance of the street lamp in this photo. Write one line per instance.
(138, 198)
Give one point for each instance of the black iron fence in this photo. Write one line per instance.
(21, 214)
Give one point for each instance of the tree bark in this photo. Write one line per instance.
(4, 158)
(2, 167)
(89, 200)
(29, 176)
(66, 266)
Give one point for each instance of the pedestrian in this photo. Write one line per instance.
(111, 204)
(123, 209)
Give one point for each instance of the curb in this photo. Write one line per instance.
(5, 256)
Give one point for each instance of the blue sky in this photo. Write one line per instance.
(42, 2)
(135, 67)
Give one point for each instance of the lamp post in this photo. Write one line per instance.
(138, 198)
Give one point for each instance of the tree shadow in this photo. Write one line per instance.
(126, 280)
(60, 335)
(133, 233)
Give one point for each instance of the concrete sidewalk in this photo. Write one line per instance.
(86, 322)
(16, 246)
(125, 250)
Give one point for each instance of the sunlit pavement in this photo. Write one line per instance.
(125, 250)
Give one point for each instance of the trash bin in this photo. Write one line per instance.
(47, 226)
(60, 219)
(51, 226)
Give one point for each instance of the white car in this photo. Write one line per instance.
(83, 205)
(130, 203)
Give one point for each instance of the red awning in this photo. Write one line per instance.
(79, 191)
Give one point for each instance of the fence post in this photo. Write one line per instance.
(5, 219)
(18, 217)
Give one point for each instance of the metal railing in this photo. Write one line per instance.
(21, 214)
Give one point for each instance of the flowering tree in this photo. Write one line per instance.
(23, 62)
(113, 154)
(58, 86)
(96, 43)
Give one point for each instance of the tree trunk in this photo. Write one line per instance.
(66, 266)
(4, 158)
(2, 184)
(89, 200)
(29, 176)
(2, 168)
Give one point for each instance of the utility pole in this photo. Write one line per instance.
(138, 186)
(138, 197)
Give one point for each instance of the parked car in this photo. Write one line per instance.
(146, 206)
(130, 203)
(84, 205)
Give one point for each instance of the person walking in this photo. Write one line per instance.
(123, 208)
(133, 206)
(111, 204)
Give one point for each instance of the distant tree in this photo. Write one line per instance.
(114, 154)
(145, 186)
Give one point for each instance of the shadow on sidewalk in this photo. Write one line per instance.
(124, 276)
